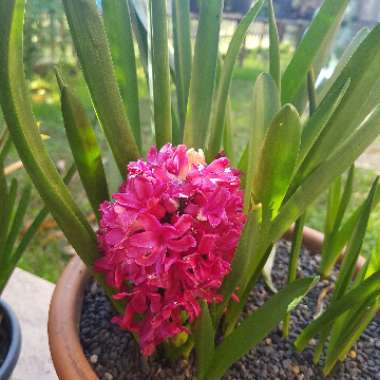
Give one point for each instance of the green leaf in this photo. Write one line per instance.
(257, 325)
(117, 21)
(266, 104)
(374, 261)
(228, 141)
(354, 247)
(204, 339)
(344, 59)
(239, 267)
(94, 54)
(350, 331)
(277, 161)
(6, 217)
(5, 146)
(317, 122)
(361, 97)
(36, 223)
(12, 259)
(293, 261)
(160, 72)
(26, 137)
(323, 175)
(219, 111)
(329, 254)
(337, 308)
(312, 96)
(17, 220)
(84, 147)
(348, 266)
(182, 55)
(333, 202)
(203, 73)
(314, 44)
(342, 236)
(139, 16)
(346, 196)
(274, 47)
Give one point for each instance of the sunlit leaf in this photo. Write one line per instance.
(91, 44)
(203, 73)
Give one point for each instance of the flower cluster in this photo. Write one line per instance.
(168, 238)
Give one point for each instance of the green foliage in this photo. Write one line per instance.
(93, 50)
(217, 121)
(248, 334)
(84, 146)
(203, 73)
(117, 22)
(344, 326)
(14, 207)
(289, 161)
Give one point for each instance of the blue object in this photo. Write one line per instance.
(12, 325)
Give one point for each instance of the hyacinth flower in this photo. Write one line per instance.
(177, 211)
(168, 239)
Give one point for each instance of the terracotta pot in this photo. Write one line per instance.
(65, 308)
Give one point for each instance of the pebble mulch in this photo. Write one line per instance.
(114, 354)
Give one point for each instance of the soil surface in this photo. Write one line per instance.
(4, 340)
(115, 355)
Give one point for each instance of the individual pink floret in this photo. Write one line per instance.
(168, 238)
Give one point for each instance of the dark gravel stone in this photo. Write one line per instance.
(118, 358)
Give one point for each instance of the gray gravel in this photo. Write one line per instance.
(115, 355)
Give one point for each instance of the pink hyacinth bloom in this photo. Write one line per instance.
(168, 238)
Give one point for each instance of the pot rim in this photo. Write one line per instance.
(15, 346)
(63, 324)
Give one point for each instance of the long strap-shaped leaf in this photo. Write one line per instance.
(274, 47)
(182, 55)
(15, 255)
(257, 325)
(84, 147)
(319, 35)
(160, 72)
(140, 31)
(219, 111)
(351, 332)
(6, 215)
(352, 298)
(239, 268)
(317, 122)
(266, 104)
(347, 268)
(335, 165)
(203, 73)
(204, 339)
(94, 54)
(117, 21)
(26, 137)
(360, 98)
(17, 220)
(328, 253)
(277, 161)
(344, 59)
